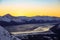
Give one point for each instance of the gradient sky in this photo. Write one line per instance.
(30, 7)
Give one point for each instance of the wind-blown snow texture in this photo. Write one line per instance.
(5, 35)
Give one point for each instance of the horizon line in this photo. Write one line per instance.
(29, 16)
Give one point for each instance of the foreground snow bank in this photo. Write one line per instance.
(5, 35)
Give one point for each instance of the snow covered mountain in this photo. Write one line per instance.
(27, 20)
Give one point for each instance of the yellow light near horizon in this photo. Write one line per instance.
(30, 11)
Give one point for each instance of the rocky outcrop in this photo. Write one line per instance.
(38, 36)
(5, 35)
(56, 29)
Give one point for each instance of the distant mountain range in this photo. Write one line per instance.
(11, 20)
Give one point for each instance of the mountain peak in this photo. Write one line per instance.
(8, 15)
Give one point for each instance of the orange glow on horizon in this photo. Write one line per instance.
(30, 12)
(28, 9)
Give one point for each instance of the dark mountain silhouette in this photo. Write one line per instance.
(11, 20)
(56, 28)
(8, 15)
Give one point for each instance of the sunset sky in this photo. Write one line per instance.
(30, 7)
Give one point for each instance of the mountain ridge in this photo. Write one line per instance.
(9, 19)
(28, 16)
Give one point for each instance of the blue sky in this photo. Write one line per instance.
(28, 1)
